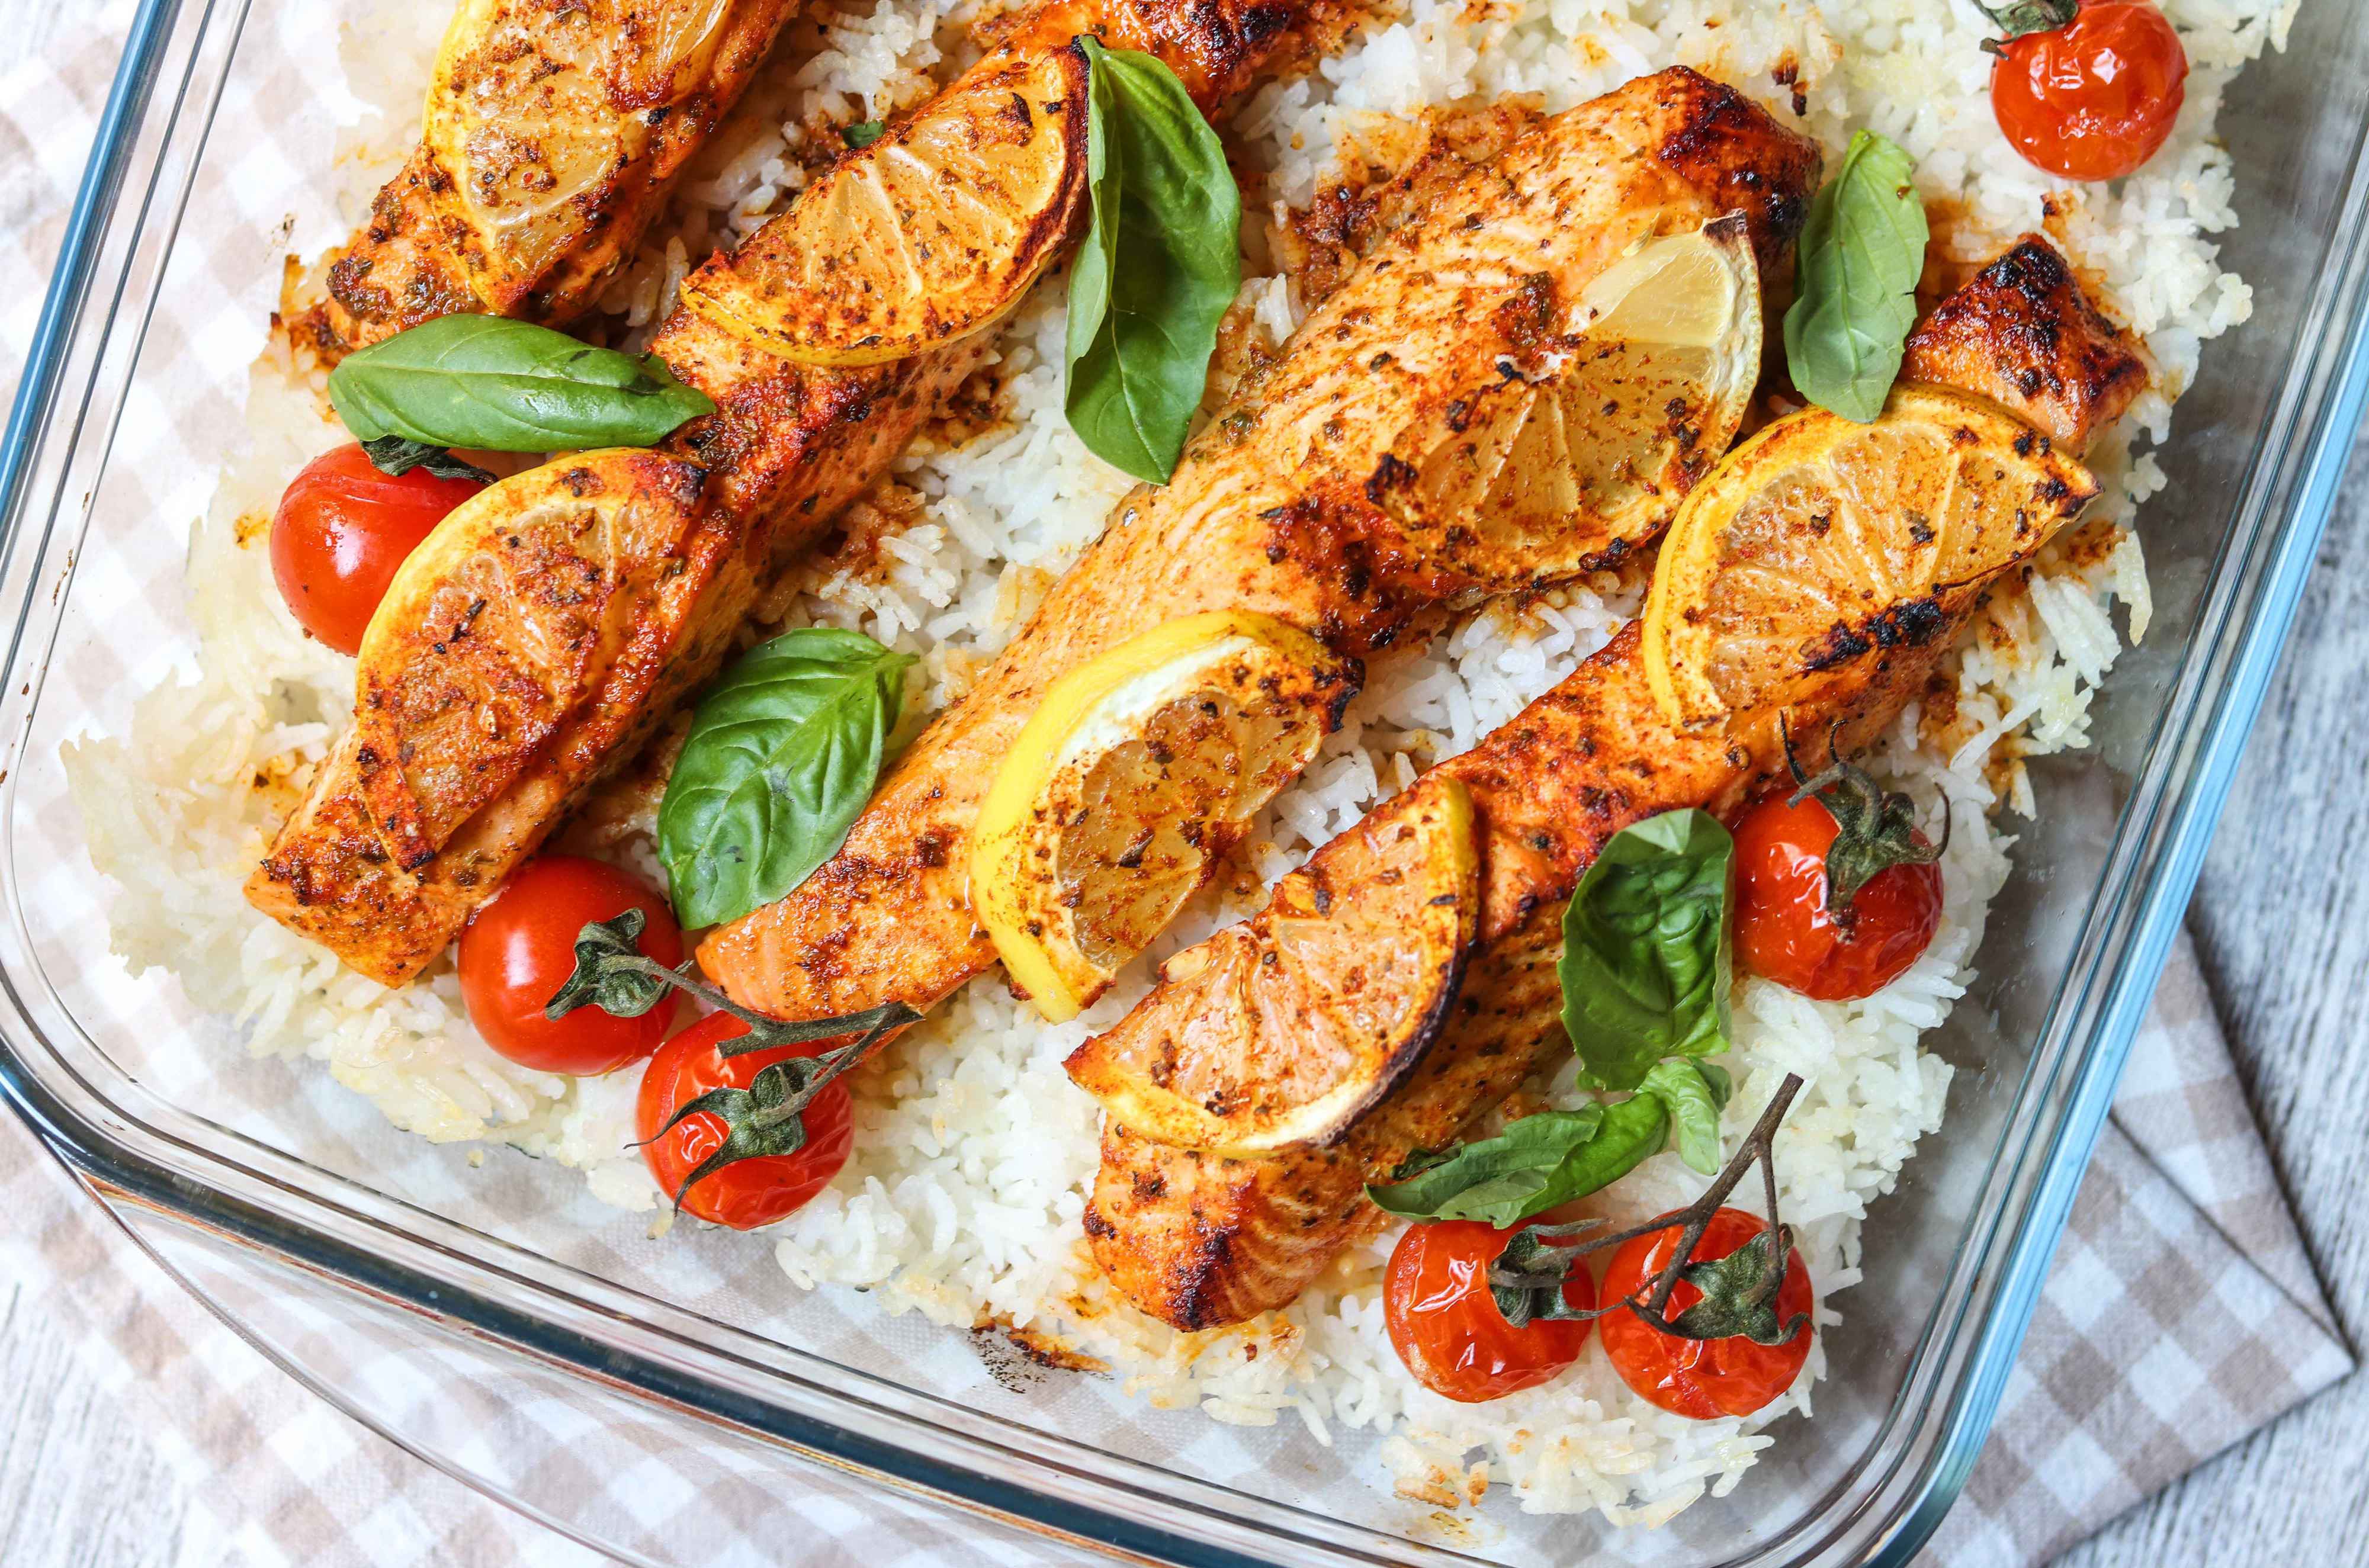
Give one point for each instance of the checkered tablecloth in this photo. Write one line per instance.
(2183, 1312)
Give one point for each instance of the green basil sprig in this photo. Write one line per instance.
(1161, 264)
(1693, 1092)
(1647, 959)
(782, 755)
(1861, 251)
(479, 381)
(1555, 1156)
(863, 133)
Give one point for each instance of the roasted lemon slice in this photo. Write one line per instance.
(536, 108)
(1606, 413)
(1281, 1031)
(927, 236)
(1134, 775)
(501, 626)
(1820, 539)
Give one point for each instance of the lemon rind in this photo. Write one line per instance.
(1052, 742)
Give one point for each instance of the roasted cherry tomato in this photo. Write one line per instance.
(1447, 1327)
(2094, 98)
(520, 948)
(342, 528)
(759, 1189)
(1702, 1377)
(1784, 931)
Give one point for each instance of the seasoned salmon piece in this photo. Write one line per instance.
(555, 131)
(2021, 334)
(384, 865)
(1198, 1239)
(1306, 500)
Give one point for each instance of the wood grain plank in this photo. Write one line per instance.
(80, 1486)
(2282, 921)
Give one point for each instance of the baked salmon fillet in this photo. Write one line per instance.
(1200, 1239)
(553, 132)
(1306, 500)
(549, 625)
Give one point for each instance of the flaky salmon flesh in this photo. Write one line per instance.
(554, 132)
(479, 726)
(1294, 502)
(1200, 1239)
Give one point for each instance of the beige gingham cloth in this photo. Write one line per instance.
(2183, 1312)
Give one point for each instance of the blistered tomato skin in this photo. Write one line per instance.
(747, 1193)
(1702, 1379)
(1784, 931)
(1446, 1326)
(520, 948)
(2095, 98)
(342, 528)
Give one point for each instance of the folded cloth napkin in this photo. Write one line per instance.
(2131, 1375)
(2181, 1312)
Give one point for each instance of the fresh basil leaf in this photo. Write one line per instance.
(395, 456)
(1633, 1131)
(1861, 251)
(1646, 955)
(1161, 264)
(1492, 1176)
(863, 133)
(782, 756)
(1723, 1087)
(1683, 1090)
(1537, 1163)
(499, 386)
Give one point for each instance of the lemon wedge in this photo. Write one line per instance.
(1820, 539)
(1280, 1031)
(1576, 427)
(925, 237)
(1134, 775)
(491, 635)
(534, 110)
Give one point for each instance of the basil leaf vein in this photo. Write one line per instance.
(480, 381)
(1861, 251)
(1161, 265)
(1647, 956)
(782, 756)
(1537, 1163)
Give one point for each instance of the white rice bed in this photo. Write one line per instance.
(973, 1151)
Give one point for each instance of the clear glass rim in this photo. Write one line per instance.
(124, 1144)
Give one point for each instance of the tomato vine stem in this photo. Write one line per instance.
(1738, 1296)
(762, 1120)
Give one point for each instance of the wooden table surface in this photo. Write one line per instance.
(2280, 916)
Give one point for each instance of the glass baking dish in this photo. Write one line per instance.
(297, 1234)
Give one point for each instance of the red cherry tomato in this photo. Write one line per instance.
(747, 1193)
(1784, 931)
(1447, 1327)
(521, 947)
(2094, 98)
(1704, 1378)
(342, 528)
